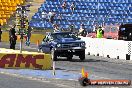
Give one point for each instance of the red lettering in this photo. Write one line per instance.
(38, 57)
(7, 59)
(29, 59)
(21, 59)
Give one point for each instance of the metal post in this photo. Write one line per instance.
(21, 38)
(20, 43)
(21, 46)
(53, 67)
(21, 10)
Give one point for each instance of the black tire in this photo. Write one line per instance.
(69, 57)
(53, 55)
(84, 81)
(82, 55)
(40, 49)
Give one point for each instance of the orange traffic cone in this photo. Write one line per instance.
(84, 74)
(38, 43)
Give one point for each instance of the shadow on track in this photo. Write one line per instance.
(78, 60)
(87, 60)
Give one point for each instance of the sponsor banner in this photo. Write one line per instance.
(84, 80)
(119, 82)
(110, 82)
(32, 61)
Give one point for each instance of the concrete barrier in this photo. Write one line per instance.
(118, 49)
(32, 60)
(34, 37)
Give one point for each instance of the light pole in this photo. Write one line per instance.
(21, 23)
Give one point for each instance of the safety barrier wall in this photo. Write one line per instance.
(29, 60)
(118, 49)
(34, 37)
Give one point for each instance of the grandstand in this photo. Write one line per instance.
(87, 12)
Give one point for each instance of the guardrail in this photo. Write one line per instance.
(118, 49)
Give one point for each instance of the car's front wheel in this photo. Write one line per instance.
(82, 55)
(53, 55)
(69, 57)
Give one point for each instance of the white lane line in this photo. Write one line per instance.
(66, 79)
(61, 85)
(100, 77)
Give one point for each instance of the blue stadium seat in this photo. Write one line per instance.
(87, 11)
(34, 17)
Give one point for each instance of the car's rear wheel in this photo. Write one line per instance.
(40, 50)
(53, 55)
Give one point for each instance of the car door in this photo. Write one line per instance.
(46, 45)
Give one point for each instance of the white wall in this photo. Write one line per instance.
(107, 47)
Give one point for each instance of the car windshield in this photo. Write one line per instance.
(64, 35)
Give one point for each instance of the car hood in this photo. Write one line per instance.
(68, 40)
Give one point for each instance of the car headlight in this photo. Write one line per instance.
(83, 44)
(58, 45)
